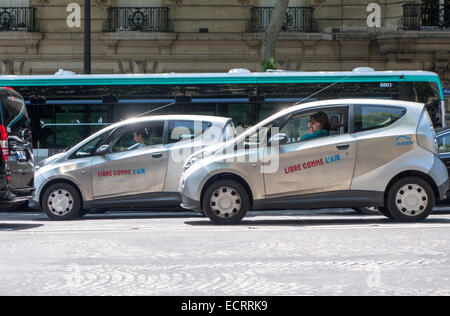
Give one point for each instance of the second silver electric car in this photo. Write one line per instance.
(135, 163)
(328, 154)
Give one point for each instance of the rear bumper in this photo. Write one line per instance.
(8, 198)
(439, 174)
(443, 191)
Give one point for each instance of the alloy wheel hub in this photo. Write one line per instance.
(225, 202)
(60, 202)
(412, 200)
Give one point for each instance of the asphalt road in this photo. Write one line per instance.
(331, 252)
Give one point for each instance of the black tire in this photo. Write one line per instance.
(404, 193)
(367, 211)
(384, 211)
(73, 200)
(83, 212)
(230, 188)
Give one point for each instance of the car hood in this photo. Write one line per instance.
(49, 160)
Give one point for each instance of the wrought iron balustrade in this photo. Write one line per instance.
(151, 19)
(426, 16)
(298, 19)
(18, 19)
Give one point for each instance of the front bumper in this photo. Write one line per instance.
(34, 204)
(191, 204)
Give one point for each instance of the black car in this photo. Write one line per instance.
(443, 138)
(17, 163)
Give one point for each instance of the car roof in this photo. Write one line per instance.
(314, 104)
(199, 118)
(331, 102)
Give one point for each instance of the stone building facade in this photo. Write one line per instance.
(217, 35)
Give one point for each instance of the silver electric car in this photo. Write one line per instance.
(135, 163)
(328, 154)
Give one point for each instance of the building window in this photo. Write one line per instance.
(430, 14)
(17, 16)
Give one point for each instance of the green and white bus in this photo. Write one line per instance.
(66, 108)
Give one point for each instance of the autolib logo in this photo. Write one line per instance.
(404, 141)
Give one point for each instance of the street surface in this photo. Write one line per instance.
(334, 252)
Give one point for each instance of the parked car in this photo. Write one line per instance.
(17, 165)
(443, 139)
(369, 153)
(135, 163)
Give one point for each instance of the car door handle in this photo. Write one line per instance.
(343, 147)
(157, 155)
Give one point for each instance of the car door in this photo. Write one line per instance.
(319, 165)
(131, 168)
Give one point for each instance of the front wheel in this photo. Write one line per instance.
(410, 200)
(225, 202)
(61, 202)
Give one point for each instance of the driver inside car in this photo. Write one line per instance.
(139, 138)
(318, 126)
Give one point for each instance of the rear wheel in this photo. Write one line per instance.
(62, 202)
(410, 200)
(226, 202)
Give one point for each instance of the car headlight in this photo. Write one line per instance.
(39, 165)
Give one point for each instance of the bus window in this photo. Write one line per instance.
(429, 94)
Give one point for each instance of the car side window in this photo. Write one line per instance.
(444, 143)
(137, 137)
(318, 124)
(88, 149)
(186, 130)
(230, 132)
(262, 135)
(370, 117)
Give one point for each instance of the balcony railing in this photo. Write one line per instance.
(426, 16)
(298, 19)
(17, 20)
(138, 19)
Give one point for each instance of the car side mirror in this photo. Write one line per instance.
(103, 150)
(279, 138)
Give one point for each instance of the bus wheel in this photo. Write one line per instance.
(61, 202)
(226, 202)
(410, 199)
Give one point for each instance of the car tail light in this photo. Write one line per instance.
(9, 88)
(4, 143)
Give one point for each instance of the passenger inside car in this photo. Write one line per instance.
(318, 126)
